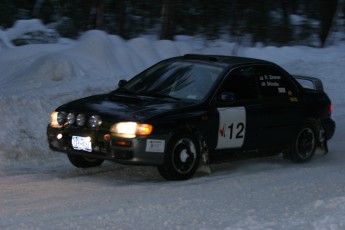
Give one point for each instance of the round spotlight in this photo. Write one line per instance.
(81, 119)
(70, 118)
(95, 121)
(61, 118)
(107, 137)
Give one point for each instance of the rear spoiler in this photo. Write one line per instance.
(309, 82)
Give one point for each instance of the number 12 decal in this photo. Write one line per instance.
(239, 130)
(232, 127)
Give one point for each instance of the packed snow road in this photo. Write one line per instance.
(266, 193)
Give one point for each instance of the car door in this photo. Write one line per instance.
(238, 105)
(280, 112)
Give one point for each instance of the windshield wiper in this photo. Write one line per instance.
(124, 94)
(124, 90)
(158, 94)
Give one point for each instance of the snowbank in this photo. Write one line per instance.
(25, 26)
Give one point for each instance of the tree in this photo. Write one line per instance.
(8, 10)
(246, 21)
(258, 20)
(328, 10)
(168, 19)
(121, 17)
(44, 10)
(77, 16)
(286, 30)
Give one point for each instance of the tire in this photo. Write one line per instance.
(303, 147)
(181, 159)
(84, 162)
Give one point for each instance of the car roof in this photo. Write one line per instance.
(230, 60)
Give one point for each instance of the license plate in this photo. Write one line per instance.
(82, 143)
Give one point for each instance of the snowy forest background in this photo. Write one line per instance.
(40, 189)
(266, 22)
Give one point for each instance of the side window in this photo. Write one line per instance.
(241, 84)
(274, 83)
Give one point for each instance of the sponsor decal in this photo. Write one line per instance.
(293, 99)
(270, 80)
(156, 146)
(281, 90)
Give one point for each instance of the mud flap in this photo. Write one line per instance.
(324, 147)
(323, 141)
(204, 165)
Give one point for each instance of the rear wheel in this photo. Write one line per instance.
(303, 147)
(84, 162)
(181, 158)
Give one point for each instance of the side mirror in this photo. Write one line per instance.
(122, 83)
(226, 96)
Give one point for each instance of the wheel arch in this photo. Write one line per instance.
(293, 151)
(196, 132)
(182, 154)
(316, 123)
(193, 130)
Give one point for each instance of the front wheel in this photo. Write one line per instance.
(84, 162)
(181, 158)
(303, 147)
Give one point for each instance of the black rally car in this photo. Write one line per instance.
(194, 109)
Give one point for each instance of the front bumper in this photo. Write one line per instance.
(131, 151)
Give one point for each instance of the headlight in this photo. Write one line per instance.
(131, 129)
(54, 120)
(95, 121)
(61, 118)
(81, 119)
(70, 118)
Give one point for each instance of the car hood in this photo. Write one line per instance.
(123, 107)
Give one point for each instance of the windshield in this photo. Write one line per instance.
(178, 79)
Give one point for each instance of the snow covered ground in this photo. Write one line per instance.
(39, 189)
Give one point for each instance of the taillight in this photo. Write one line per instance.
(330, 109)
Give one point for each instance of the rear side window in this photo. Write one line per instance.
(273, 82)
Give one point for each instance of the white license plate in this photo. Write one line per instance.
(82, 143)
